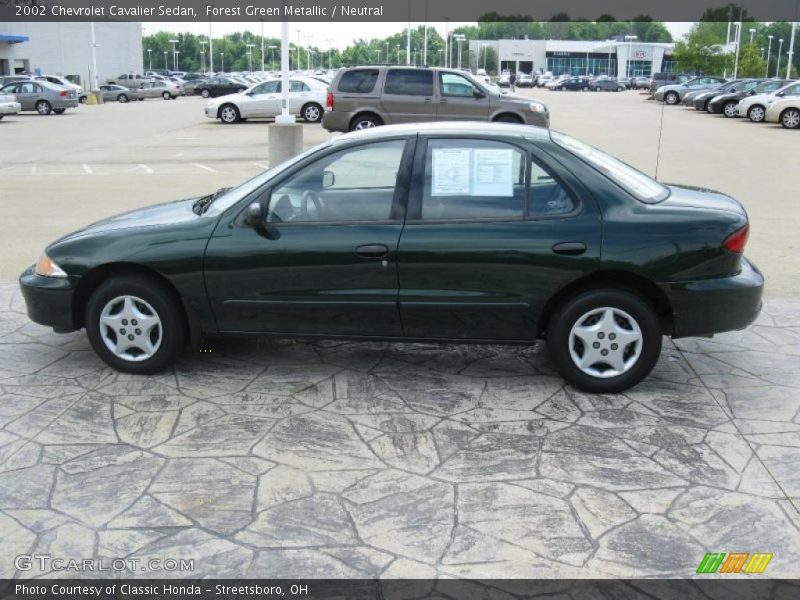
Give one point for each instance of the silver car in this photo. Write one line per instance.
(163, 89)
(673, 93)
(8, 105)
(130, 80)
(119, 93)
(41, 96)
(66, 83)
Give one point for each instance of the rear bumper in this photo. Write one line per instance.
(48, 300)
(711, 306)
(66, 103)
(336, 121)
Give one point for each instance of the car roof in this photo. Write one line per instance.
(448, 128)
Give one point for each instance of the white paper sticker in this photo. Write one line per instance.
(494, 172)
(451, 171)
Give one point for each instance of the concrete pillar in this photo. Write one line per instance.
(285, 141)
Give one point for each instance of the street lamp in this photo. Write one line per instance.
(791, 51)
(250, 57)
(174, 63)
(203, 45)
(780, 49)
(177, 57)
(485, 45)
(398, 54)
(330, 53)
(150, 58)
(459, 38)
(222, 61)
(166, 66)
(629, 39)
(769, 50)
(387, 53)
(752, 33)
(272, 56)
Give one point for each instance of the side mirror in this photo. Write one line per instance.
(478, 93)
(779, 94)
(255, 215)
(328, 179)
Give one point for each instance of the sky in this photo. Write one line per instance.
(322, 35)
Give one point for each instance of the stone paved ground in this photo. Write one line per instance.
(267, 459)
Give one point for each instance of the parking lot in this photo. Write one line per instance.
(334, 459)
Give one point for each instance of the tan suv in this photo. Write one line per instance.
(364, 97)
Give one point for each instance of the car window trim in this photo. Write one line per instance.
(399, 199)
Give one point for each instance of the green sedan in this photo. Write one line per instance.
(443, 232)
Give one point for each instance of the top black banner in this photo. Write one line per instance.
(416, 11)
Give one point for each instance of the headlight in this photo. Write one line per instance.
(537, 107)
(47, 268)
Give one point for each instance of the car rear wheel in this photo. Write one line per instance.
(729, 109)
(364, 122)
(563, 88)
(597, 89)
(166, 96)
(312, 113)
(59, 111)
(604, 340)
(620, 89)
(585, 88)
(756, 113)
(43, 107)
(135, 324)
(229, 114)
(205, 93)
(790, 118)
(122, 98)
(671, 98)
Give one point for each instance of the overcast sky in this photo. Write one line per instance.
(323, 35)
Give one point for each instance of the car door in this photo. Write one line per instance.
(460, 100)
(27, 94)
(264, 100)
(322, 257)
(494, 229)
(408, 96)
(299, 92)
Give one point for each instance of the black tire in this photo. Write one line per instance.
(312, 112)
(43, 107)
(508, 119)
(585, 88)
(205, 93)
(597, 89)
(756, 113)
(364, 122)
(620, 89)
(729, 109)
(167, 308)
(572, 311)
(790, 118)
(229, 114)
(1, 117)
(671, 98)
(563, 88)
(122, 98)
(82, 100)
(59, 111)
(141, 99)
(166, 96)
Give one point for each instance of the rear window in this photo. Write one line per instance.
(358, 81)
(408, 82)
(642, 187)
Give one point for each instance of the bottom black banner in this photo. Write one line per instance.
(396, 589)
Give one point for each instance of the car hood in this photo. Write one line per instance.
(697, 197)
(158, 215)
(728, 96)
(759, 98)
(234, 96)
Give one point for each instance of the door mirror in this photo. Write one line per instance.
(779, 94)
(328, 179)
(478, 94)
(255, 215)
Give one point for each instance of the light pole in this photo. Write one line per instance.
(210, 50)
(272, 57)
(203, 45)
(752, 33)
(250, 57)
(484, 47)
(166, 66)
(222, 62)
(398, 54)
(791, 51)
(459, 38)
(262, 46)
(780, 49)
(177, 59)
(629, 39)
(150, 58)
(769, 50)
(174, 59)
(297, 31)
(738, 42)
(387, 53)
(330, 53)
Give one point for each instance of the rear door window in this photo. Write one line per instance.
(409, 82)
(358, 81)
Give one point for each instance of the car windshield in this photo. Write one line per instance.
(230, 197)
(641, 186)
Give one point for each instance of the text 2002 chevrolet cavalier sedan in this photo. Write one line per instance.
(444, 232)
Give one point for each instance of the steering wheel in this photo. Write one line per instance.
(310, 195)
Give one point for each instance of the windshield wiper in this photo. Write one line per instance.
(202, 204)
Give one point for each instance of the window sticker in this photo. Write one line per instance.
(451, 171)
(493, 174)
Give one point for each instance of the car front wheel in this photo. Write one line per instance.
(43, 107)
(671, 98)
(756, 114)
(205, 94)
(604, 340)
(135, 324)
(790, 118)
(229, 114)
(729, 110)
(122, 98)
(166, 96)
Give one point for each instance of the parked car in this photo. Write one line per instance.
(663, 78)
(160, 89)
(119, 93)
(574, 84)
(525, 80)
(41, 96)
(641, 83)
(306, 98)
(363, 97)
(784, 110)
(543, 79)
(5, 79)
(382, 234)
(130, 80)
(504, 80)
(8, 105)
(672, 94)
(701, 99)
(66, 83)
(626, 81)
(728, 103)
(755, 107)
(220, 86)
(606, 85)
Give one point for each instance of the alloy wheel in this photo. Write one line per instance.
(365, 124)
(43, 107)
(605, 342)
(790, 119)
(130, 328)
(729, 110)
(671, 98)
(205, 93)
(228, 114)
(757, 114)
(311, 113)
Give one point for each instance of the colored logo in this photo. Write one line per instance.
(734, 562)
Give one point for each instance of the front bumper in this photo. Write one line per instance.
(773, 114)
(710, 306)
(10, 108)
(211, 111)
(48, 300)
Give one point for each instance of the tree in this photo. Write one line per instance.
(701, 51)
(750, 62)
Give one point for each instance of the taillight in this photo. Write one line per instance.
(736, 241)
(64, 93)
(329, 100)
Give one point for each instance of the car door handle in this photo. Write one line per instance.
(442, 101)
(570, 248)
(427, 100)
(373, 251)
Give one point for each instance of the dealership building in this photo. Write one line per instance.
(618, 58)
(66, 49)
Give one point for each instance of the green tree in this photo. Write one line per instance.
(750, 62)
(701, 51)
